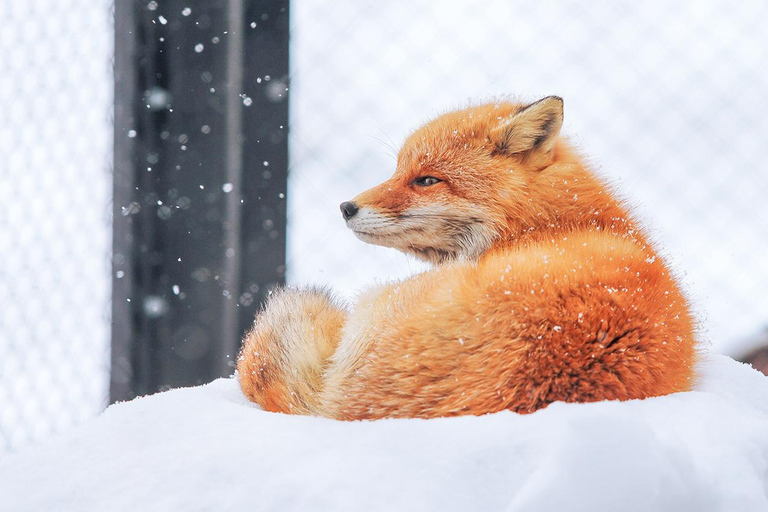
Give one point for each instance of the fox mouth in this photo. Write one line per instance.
(373, 237)
(365, 233)
(385, 235)
(436, 237)
(395, 240)
(382, 233)
(367, 226)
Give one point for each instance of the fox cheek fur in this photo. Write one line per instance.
(435, 233)
(477, 190)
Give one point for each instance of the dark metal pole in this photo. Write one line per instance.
(265, 161)
(234, 169)
(122, 357)
(199, 218)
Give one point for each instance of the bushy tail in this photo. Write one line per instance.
(284, 355)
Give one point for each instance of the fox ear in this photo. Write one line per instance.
(535, 126)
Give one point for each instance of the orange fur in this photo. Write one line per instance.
(543, 288)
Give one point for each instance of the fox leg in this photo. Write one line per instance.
(284, 355)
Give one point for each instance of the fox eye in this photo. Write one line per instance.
(426, 181)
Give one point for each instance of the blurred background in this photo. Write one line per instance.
(164, 163)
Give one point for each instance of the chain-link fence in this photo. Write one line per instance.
(55, 140)
(666, 98)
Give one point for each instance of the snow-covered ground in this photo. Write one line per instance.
(207, 448)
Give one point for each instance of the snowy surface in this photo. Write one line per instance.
(207, 448)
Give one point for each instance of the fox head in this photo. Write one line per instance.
(464, 181)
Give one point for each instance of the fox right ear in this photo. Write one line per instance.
(535, 126)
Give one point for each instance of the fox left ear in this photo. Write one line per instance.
(535, 126)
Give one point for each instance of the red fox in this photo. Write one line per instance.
(543, 288)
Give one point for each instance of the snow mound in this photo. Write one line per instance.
(207, 448)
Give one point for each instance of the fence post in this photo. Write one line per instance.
(201, 119)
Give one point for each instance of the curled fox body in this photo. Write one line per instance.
(543, 288)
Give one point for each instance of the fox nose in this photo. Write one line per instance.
(348, 209)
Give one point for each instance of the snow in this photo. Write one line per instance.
(207, 448)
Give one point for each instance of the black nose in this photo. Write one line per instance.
(348, 209)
